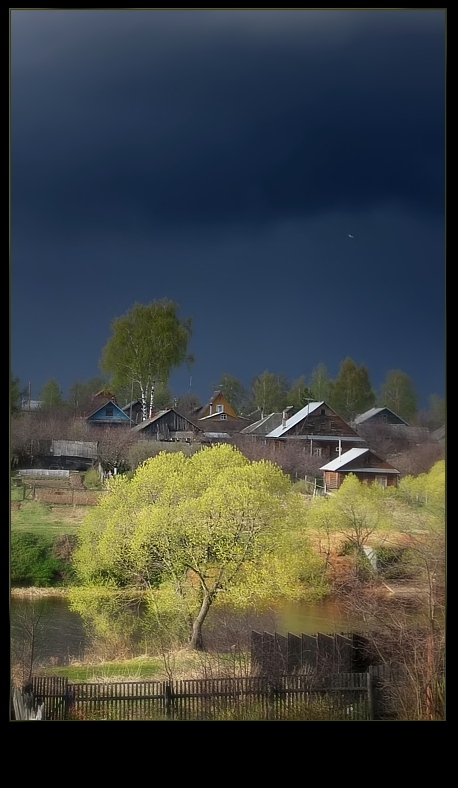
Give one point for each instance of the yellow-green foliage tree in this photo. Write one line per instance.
(357, 512)
(193, 530)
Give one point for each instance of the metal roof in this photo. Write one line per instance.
(293, 420)
(344, 459)
(352, 454)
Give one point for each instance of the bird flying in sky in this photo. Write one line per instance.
(350, 236)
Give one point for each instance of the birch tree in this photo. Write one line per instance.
(146, 344)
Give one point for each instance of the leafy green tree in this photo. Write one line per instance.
(146, 344)
(398, 394)
(51, 395)
(355, 511)
(299, 393)
(269, 392)
(351, 392)
(234, 391)
(320, 383)
(191, 531)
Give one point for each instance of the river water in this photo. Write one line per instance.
(61, 636)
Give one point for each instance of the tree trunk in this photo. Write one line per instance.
(196, 640)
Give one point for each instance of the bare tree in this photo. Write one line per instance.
(27, 641)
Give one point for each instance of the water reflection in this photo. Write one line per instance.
(61, 637)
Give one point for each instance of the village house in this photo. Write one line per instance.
(364, 464)
(320, 431)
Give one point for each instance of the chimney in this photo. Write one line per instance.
(284, 415)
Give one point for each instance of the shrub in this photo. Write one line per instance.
(396, 563)
(32, 562)
(37, 560)
(92, 479)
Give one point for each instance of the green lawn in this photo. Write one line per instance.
(44, 519)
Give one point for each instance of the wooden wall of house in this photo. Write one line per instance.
(333, 480)
(169, 426)
(323, 421)
(384, 417)
(329, 449)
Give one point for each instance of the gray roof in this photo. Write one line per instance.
(158, 415)
(293, 420)
(264, 425)
(373, 412)
(86, 449)
(145, 423)
(439, 434)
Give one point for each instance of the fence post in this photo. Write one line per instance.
(168, 700)
(370, 695)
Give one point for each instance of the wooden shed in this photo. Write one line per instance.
(364, 464)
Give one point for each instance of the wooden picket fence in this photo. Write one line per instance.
(344, 696)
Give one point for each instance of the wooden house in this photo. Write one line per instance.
(319, 429)
(364, 464)
(221, 422)
(108, 415)
(375, 417)
(134, 410)
(168, 425)
(216, 404)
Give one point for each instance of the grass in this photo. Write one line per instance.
(46, 519)
(183, 664)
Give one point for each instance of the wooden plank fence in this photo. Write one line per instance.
(276, 654)
(322, 658)
(342, 696)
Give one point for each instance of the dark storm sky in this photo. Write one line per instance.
(221, 159)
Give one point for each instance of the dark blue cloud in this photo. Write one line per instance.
(183, 122)
(149, 141)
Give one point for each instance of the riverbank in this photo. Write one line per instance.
(33, 591)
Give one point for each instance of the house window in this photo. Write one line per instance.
(322, 412)
(223, 417)
(382, 480)
(219, 408)
(317, 452)
(108, 411)
(384, 417)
